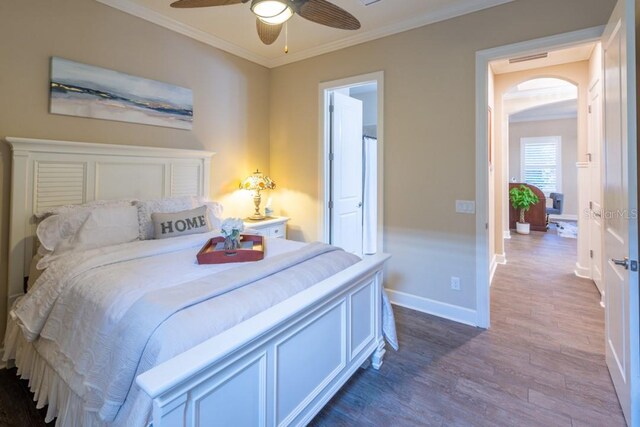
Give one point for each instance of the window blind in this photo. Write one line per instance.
(540, 163)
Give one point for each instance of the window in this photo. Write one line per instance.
(540, 163)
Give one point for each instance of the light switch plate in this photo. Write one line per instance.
(466, 206)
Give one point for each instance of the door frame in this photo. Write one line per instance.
(483, 57)
(324, 143)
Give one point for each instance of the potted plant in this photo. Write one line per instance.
(522, 198)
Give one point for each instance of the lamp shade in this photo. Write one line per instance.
(271, 12)
(257, 181)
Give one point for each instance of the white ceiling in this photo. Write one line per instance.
(233, 29)
(557, 110)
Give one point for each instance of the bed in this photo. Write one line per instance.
(281, 343)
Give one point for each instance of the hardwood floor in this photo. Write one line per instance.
(541, 364)
(16, 407)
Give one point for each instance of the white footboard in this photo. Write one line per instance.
(281, 366)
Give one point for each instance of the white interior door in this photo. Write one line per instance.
(346, 173)
(595, 170)
(620, 204)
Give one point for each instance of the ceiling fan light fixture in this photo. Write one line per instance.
(271, 12)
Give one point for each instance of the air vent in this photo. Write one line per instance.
(528, 58)
(369, 2)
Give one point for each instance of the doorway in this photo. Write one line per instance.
(541, 138)
(619, 190)
(351, 173)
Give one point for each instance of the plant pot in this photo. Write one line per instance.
(522, 228)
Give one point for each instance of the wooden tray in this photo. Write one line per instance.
(210, 255)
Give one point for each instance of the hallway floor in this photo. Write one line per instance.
(541, 364)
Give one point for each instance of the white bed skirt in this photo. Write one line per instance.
(48, 388)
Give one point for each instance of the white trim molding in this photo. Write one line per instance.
(150, 15)
(582, 272)
(483, 58)
(497, 259)
(378, 33)
(157, 18)
(456, 313)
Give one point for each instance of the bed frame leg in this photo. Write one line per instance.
(378, 355)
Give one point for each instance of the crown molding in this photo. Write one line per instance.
(410, 24)
(147, 14)
(184, 29)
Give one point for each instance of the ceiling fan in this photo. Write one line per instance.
(272, 14)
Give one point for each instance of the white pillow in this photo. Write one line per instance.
(214, 211)
(103, 227)
(72, 208)
(214, 214)
(56, 228)
(147, 207)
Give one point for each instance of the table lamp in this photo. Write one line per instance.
(257, 182)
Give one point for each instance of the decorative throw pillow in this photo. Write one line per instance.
(147, 207)
(180, 223)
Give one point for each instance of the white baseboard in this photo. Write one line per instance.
(506, 234)
(583, 272)
(492, 269)
(497, 259)
(563, 217)
(436, 308)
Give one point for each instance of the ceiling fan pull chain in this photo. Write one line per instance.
(286, 37)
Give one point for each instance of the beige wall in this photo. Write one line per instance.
(576, 73)
(567, 129)
(231, 95)
(429, 138)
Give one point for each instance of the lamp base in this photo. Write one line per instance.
(256, 217)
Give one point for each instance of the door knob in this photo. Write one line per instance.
(621, 262)
(360, 204)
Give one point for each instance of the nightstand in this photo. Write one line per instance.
(269, 227)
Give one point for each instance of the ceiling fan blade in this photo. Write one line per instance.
(325, 13)
(268, 33)
(185, 4)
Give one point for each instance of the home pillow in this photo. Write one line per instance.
(147, 207)
(191, 221)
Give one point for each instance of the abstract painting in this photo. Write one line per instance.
(87, 91)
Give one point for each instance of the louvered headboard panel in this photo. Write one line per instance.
(47, 174)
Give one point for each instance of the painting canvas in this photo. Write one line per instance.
(87, 91)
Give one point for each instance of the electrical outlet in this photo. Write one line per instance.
(455, 283)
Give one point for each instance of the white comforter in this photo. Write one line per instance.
(75, 313)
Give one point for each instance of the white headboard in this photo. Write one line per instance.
(48, 174)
